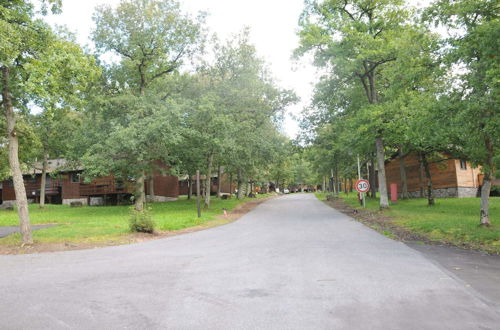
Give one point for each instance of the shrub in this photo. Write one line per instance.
(141, 222)
(76, 204)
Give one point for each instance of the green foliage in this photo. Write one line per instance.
(141, 222)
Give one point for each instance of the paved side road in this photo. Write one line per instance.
(8, 230)
(292, 263)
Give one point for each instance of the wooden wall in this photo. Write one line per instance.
(468, 177)
(8, 193)
(70, 190)
(165, 185)
(444, 173)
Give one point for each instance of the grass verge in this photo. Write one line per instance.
(453, 221)
(109, 225)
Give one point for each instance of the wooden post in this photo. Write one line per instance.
(198, 193)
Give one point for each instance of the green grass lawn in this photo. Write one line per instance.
(451, 220)
(109, 223)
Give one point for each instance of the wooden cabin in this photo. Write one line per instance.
(226, 186)
(66, 185)
(450, 177)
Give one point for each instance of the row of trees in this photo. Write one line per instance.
(169, 95)
(391, 86)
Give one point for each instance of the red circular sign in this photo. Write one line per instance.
(362, 185)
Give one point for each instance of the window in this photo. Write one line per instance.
(463, 164)
(119, 184)
(75, 177)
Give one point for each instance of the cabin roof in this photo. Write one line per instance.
(53, 165)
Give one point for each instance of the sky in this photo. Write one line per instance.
(273, 25)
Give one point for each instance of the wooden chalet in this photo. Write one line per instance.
(450, 177)
(226, 186)
(65, 185)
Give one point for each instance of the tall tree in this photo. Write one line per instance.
(474, 30)
(27, 48)
(356, 39)
(153, 38)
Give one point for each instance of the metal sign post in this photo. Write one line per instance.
(359, 178)
(363, 186)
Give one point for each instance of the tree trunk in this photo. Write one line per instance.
(15, 168)
(240, 185)
(372, 180)
(198, 197)
(44, 180)
(486, 187)
(337, 183)
(248, 189)
(151, 187)
(485, 197)
(382, 184)
(208, 181)
(219, 180)
(430, 194)
(230, 185)
(190, 187)
(402, 171)
(139, 193)
(421, 175)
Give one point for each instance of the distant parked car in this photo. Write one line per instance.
(286, 191)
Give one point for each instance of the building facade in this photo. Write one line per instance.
(450, 177)
(64, 186)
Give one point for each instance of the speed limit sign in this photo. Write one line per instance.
(362, 185)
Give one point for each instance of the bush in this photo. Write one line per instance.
(76, 204)
(141, 222)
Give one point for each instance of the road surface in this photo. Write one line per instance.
(291, 263)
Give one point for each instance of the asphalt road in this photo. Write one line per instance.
(8, 230)
(292, 263)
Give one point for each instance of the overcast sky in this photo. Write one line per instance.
(273, 25)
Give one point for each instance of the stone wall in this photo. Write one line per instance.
(161, 198)
(96, 201)
(68, 201)
(468, 192)
(7, 204)
(459, 192)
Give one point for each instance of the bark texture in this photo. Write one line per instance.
(151, 187)
(485, 207)
(421, 175)
(486, 187)
(382, 184)
(15, 168)
(430, 194)
(190, 186)
(240, 184)
(139, 193)
(371, 177)
(219, 181)
(208, 181)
